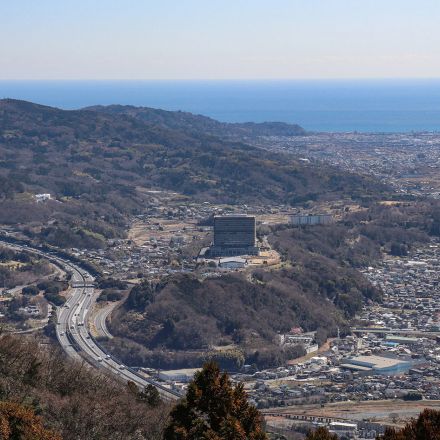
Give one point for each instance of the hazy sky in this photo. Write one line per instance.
(218, 39)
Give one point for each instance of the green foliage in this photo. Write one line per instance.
(30, 290)
(9, 186)
(398, 250)
(52, 287)
(109, 283)
(140, 296)
(50, 328)
(131, 352)
(214, 409)
(321, 336)
(66, 237)
(413, 396)
(150, 395)
(7, 254)
(58, 300)
(274, 356)
(227, 359)
(110, 295)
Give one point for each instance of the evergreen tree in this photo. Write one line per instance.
(214, 409)
(150, 395)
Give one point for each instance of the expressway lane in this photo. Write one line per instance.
(72, 329)
(100, 320)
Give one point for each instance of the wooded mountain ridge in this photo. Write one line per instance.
(75, 153)
(97, 163)
(189, 122)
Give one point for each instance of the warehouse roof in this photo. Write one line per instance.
(376, 361)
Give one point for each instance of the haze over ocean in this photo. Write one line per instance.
(317, 105)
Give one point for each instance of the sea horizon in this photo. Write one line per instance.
(331, 105)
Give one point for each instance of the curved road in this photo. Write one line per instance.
(72, 330)
(100, 320)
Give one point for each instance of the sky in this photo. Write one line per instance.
(219, 39)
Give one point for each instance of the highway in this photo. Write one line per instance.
(72, 327)
(100, 320)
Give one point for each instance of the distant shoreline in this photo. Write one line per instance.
(365, 106)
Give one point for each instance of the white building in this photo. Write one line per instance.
(318, 219)
(343, 429)
(232, 263)
(184, 375)
(42, 197)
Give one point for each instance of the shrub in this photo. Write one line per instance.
(30, 290)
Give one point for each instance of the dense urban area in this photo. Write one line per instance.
(409, 162)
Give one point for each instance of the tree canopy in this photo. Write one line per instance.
(214, 409)
(18, 422)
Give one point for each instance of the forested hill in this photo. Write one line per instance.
(189, 122)
(97, 166)
(84, 152)
(44, 396)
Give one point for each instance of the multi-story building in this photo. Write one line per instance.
(234, 235)
(311, 219)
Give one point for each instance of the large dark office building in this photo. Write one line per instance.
(234, 235)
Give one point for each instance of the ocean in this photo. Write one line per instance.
(316, 105)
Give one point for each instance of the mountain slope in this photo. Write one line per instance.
(73, 400)
(96, 163)
(71, 153)
(201, 124)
